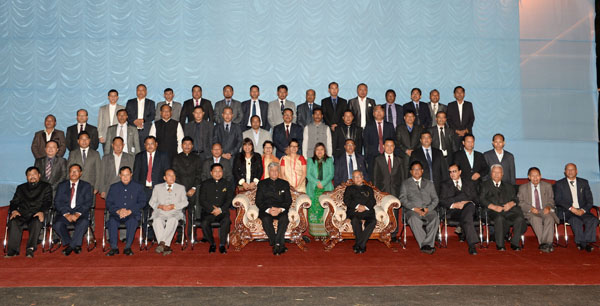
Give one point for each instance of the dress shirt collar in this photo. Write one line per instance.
(142, 100)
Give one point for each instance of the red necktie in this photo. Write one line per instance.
(72, 191)
(536, 195)
(196, 102)
(149, 174)
(390, 164)
(380, 137)
(287, 132)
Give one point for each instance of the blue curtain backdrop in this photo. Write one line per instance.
(59, 56)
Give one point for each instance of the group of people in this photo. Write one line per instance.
(160, 159)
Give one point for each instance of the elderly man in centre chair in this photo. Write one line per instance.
(360, 201)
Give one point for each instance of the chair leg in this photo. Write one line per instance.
(5, 238)
(523, 241)
(445, 230)
(403, 231)
(44, 239)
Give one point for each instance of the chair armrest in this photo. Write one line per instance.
(381, 209)
(339, 213)
(302, 202)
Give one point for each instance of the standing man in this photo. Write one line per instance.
(316, 132)
(236, 106)
(362, 106)
(175, 106)
(473, 164)
(38, 145)
(461, 116)
(360, 203)
(201, 132)
(112, 163)
(81, 125)
(73, 201)
(435, 106)
(394, 113)
(500, 156)
(228, 134)
(305, 110)
(89, 160)
(375, 134)
(407, 138)
(388, 176)
(107, 116)
(443, 137)
(285, 132)
(188, 167)
(141, 112)
(255, 107)
(226, 164)
(347, 130)
(346, 163)
(434, 164)
(215, 199)
(276, 107)
(53, 167)
(129, 134)
(188, 107)
(333, 107)
(168, 133)
(421, 109)
(257, 134)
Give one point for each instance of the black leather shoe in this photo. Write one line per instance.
(29, 253)
(589, 248)
(472, 250)
(276, 250)
(222, 249)
(355, 249)
(77, 250)
(500, 248)
(112, 252)
(515, 247)
(128, 252)
(212, 248)
(581, 246)
(67, 251)
(10, 255)
(282, 249)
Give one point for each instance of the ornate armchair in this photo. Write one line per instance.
(339, 228)
(248, 226)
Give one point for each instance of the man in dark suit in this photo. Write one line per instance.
(434, 164)
(168, 133)
(274, 199)
(360, 203)
(362, 106)
(38, 145)
(346, 163)
(215, 198)
(305, 110)
(228, 100)
(124, 202)
(285, 132)
(333, 107)
(461, 115)
(27, 207)
(435, 106)
(73, 202)
(500, 156)
(375, 134)
(255, 107)
(188, 106)
(81, 125)
(52, 166)
(501, 201)
(201, 132)
(226, 164)
(573, 196)
(394, 113)
(188, 168)
(473, 164)
(421, 109)
(346, 130)
(458, 196)
(141, 112)
(387, 174)
(443, 137)
(228, 134)
(407, 139)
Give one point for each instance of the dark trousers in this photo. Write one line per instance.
(81, 227)
(362, 234)
(282, 224)
(584, 227)
(131, 224)
(465, 216)
(224, 224)
(15, 233)
(502, 223)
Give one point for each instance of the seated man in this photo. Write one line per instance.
(72, 202)
(459, 196)
(360, 203)
(274, 199)
(167, 201)
(27, 207)
(215, 199)
(124, 201)
(573, 195)
(501, 202)
(536, 200)
(419, 199)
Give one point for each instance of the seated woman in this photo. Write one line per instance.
(320, 176)
(247, 167)
(293, 167)
(268, 158)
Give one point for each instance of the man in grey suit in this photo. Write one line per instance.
(305, 110)
(89, 160)
(236, 106)
(112, 163)
(129, 134)
(277, 106)
(257, 135)
(536, 200)
(500, 156)
(419, 200)
(443, 137)
(175, 106)
(217, 158)
(53, 168)
(228, 134)
(107, 116)
(434, 105)
(362, 106)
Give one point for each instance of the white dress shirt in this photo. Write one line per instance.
(74, 199)
(111, 113)
(389, 157)
(440, 128)
(574, 192)
(124, 127)
(257, 112)
(460, 107)
(354, 164)
(533, 195)
(81, 127)
(140, 111)
(180, 134)
(48, 135)
(499, 155)
(117, 162)
(256, 135)
(362, 103)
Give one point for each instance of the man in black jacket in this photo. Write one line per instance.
(188, 167)
(360, 203)
(215, 199)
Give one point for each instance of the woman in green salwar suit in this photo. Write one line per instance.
(319, 175)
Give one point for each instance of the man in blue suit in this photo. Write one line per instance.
(73, 201)
(420, 109)
(346, 163)
(124, 202)
(285, 132)
(141, 112)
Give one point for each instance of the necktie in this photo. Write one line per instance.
(80, 128)
(169, 188)
(48, 168)
(390, 118)
(418, 185)
(435, 109)
(442, 137)
(282, 106)
(253, 108)
(197, 103)
(458, 186)
(121, 134)
(496, 185)
(350, 166)
(380, 132)
(389, 164)
(310, 108)
(287, 132)
(72, 194)
(428, 156)
(227, 128)
(228, 102)
(84, 155)
(572, 183)
(149, 174)
(418, 120)
(348, 136)
(536, 195)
